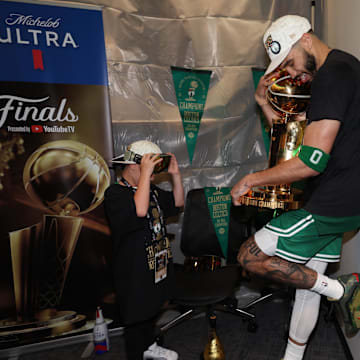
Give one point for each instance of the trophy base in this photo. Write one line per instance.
(13, 333)
(265, 198)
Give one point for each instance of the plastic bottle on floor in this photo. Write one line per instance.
(101, 335)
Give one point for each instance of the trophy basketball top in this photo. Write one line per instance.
(289, 96)
(67, 177)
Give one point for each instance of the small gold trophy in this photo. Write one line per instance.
(213, 350)
(67, 178)
(289, 98)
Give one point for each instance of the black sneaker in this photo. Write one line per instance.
(349, 303)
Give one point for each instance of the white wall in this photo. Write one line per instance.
(341, 31)
(342, 25)
(349, 264)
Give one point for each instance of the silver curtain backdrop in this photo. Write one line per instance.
(145, 37)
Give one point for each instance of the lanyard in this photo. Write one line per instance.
(157, 205)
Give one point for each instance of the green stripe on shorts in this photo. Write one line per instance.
(302, 235)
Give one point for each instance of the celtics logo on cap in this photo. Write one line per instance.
(274, 46)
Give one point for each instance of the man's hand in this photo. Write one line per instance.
(240, 188)
(264, 82)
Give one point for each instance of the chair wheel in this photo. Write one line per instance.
(252, 327)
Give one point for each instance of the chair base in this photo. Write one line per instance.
(229, 305)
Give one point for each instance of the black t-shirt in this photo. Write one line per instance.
(138, 296)
(335, 95)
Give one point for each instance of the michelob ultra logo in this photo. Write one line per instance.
(27, 35)
(30, 20)
(56, 44)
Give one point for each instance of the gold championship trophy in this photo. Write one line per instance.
(68, 178)
(289, 98)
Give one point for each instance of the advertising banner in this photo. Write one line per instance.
(191, 88)
(55, 140)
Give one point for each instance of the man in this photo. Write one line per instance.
(295, 247)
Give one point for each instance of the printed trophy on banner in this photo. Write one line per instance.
(68, 179)
(289, 98)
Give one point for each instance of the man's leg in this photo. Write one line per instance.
(278, 250)
(345, 290)
(304, 316)
(254, 260)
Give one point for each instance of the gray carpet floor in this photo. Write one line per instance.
(189, 337)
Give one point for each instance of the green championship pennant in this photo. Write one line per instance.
(219, 203)
(191, 88)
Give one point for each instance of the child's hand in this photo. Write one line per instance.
(148, 163)
(173, 168)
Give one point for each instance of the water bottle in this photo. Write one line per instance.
(101, 335)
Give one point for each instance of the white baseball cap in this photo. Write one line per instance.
(139, 148)
(282, 34)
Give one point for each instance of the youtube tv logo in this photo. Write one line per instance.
(37, 129)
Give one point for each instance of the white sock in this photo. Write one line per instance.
(294, 351)
(328, 287)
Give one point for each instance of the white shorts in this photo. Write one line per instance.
(266, 241)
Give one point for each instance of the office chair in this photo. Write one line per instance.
(203, 283)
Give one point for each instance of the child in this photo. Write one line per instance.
(142, 262)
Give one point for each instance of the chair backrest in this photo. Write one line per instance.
(198, 237)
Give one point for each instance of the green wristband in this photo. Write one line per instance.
(314, 158)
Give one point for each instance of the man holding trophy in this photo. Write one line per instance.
(295, 247)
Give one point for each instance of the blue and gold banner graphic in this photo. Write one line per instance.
(55, 139)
